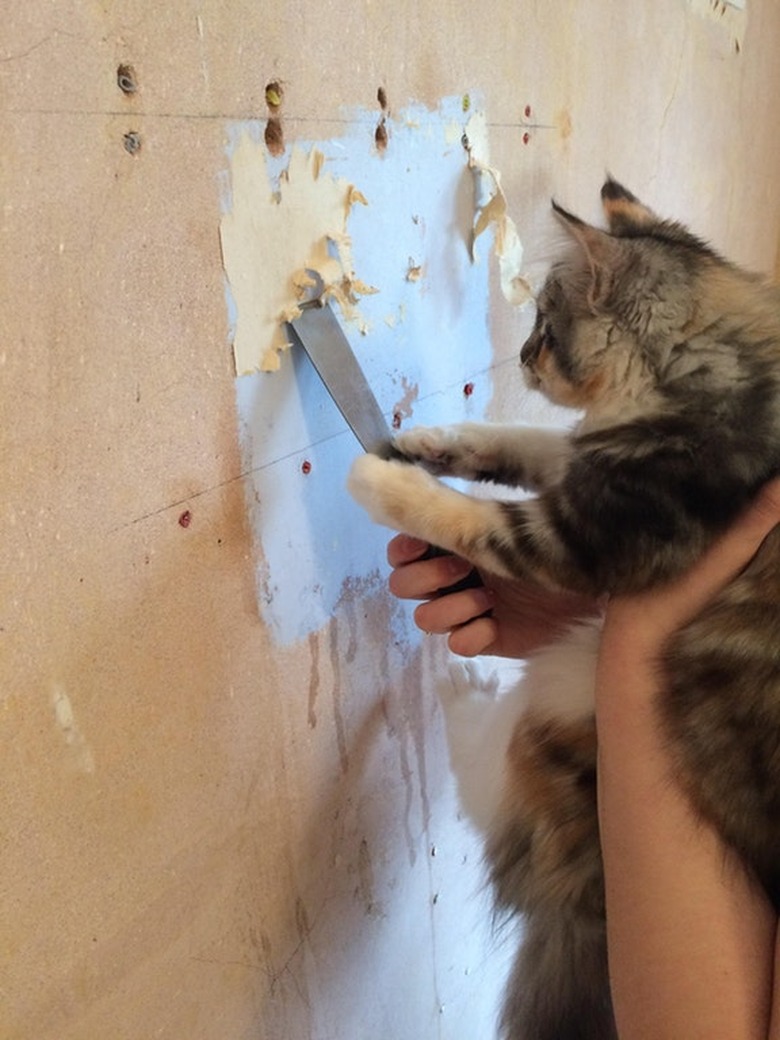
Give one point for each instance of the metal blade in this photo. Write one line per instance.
(318, 331)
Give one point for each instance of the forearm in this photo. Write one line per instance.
(690, 938)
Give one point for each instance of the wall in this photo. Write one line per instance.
(221, 818)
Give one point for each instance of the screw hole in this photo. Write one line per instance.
(126, 79)
(274, 136)
(273, 96)
(132, 141)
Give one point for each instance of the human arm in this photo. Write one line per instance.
(691, 938)
(692, 942)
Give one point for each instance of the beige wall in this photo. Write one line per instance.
(183, 853)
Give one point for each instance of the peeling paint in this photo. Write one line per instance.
(270, 237)
(490, 210)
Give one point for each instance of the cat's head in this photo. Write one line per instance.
(609, 315)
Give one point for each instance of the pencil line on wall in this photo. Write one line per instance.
(245, 474)
(320, 121)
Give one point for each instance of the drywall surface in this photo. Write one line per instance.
(225, 804)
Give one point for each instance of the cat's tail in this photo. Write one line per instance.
(559, 985)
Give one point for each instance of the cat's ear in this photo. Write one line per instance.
(625, 213)
(602, 250)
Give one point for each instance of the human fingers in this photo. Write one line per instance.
(445, 613)
(403, 548)
(476, 637)
(421, 579)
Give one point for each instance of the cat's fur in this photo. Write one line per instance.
(672, 355)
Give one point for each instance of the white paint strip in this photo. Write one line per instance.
(80, 752)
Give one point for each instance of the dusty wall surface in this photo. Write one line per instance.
(212, 827)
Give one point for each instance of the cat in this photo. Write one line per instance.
(671, 355)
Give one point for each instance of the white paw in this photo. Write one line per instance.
(460, 450)
(432, 444)
(389, 491)
(366, 481)
(470, 680)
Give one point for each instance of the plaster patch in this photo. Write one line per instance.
(296, 449)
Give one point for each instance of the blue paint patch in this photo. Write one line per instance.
(426, 339)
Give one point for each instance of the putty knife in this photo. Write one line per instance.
(318, 332)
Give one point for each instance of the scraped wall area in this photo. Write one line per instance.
(394, 238)
(225, 800)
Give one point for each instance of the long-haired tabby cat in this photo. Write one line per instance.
(672, 355)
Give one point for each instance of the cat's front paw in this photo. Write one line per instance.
(435, 447)
(388, 490)
(469, 680)
(461, 450)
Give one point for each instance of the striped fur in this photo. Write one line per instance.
(672, 355)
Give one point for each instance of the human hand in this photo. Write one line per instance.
(522, 616)
(638, 625)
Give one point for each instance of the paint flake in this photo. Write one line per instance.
(271, 237)
(490, 210)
